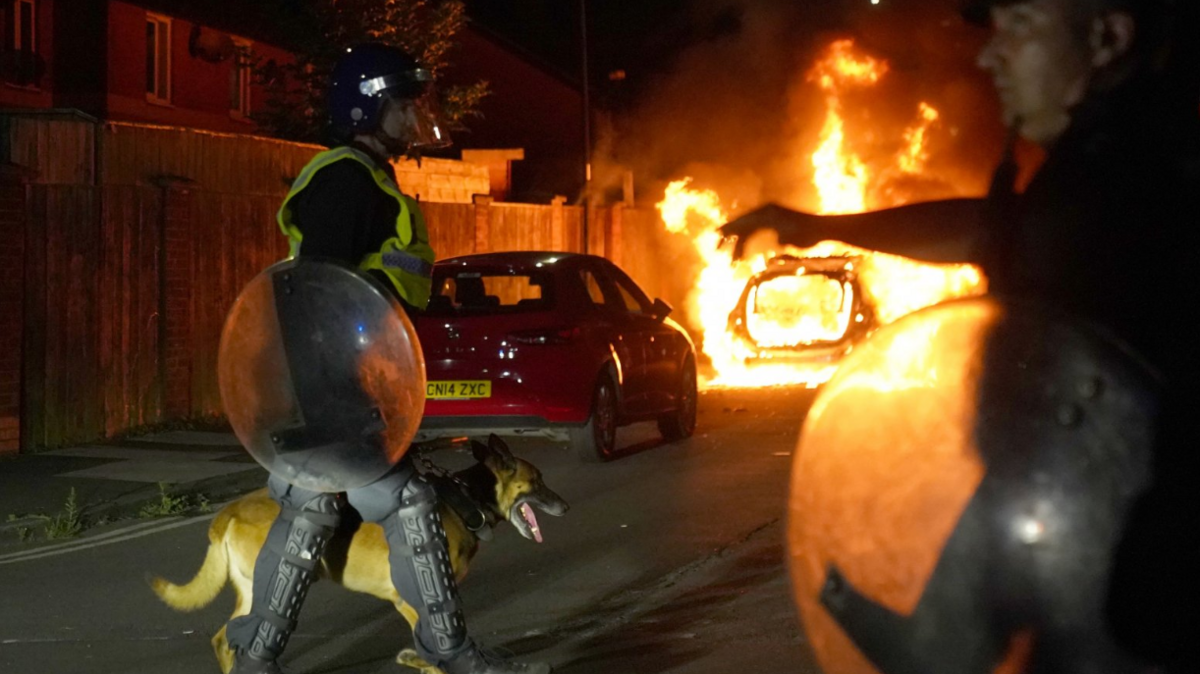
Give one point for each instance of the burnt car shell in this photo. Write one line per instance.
(841, 270)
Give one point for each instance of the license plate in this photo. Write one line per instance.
(458, 390)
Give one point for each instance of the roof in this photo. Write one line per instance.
(523, 258)
(507, 44)
(817, 265)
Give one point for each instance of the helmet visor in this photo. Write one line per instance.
(418, 121)
(408, 84)
(414, 96)
(429, 130)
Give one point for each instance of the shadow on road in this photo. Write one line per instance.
(685, 620)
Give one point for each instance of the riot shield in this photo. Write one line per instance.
(958, 488)
(321, 375)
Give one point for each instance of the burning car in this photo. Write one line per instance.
(781, 294)
(806, 309)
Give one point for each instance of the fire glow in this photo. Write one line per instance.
(892, 286)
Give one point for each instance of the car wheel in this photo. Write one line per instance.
(597, 439)
(681, 423)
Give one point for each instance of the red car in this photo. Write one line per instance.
(559, 345)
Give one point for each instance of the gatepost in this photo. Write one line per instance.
(178, 272)
(483, 236)
(13, 181)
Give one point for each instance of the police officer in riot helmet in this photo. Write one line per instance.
(1104, 234)
(346, 206)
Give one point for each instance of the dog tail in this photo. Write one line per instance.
(209, 580)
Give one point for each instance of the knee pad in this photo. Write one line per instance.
(312, 525)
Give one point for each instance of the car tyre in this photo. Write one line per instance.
(681, 423)
(596, 440)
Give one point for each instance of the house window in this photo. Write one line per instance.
(239, 80)
(158, 59)
(24, 35)
(21, 65)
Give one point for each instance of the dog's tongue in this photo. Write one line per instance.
(527, 513)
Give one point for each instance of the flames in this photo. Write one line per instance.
(841, 176)
(912, 160)
(806, 308)
(846, 182)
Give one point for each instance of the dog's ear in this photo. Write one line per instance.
(500, 450)
(480, 451)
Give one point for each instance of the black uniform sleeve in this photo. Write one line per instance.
(342, 213)
(932, 231)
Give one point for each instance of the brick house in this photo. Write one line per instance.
(127, 61)
(183, 63)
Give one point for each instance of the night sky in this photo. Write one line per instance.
(645, 39)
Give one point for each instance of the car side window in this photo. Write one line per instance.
(630, 302)
(594, 289)
(632, 297)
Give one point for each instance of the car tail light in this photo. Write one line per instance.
(545, 336)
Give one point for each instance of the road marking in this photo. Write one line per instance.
(75, 640)
(75, 542)
(119, 536)
(134, 454)
(152, 471)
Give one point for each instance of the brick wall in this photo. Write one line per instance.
(12, 286)
(442, 180)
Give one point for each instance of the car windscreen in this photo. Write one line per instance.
(461, 292)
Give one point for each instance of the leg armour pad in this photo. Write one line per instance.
(286, 567)
(421, 572)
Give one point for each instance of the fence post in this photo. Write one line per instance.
(612, 238)
(12, 303)
(557, 223)
(175, 299)
(483, 235)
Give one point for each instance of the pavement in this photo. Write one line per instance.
(119, 480)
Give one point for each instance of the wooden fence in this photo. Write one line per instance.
(69, 148)
(126, 288)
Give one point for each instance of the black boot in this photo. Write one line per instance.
(475, 660)
(286, 567)
(244, 663)
(421, 572)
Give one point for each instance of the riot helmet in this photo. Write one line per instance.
(958, 492)
(371, 79)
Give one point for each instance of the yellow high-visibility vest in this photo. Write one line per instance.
(406, 258)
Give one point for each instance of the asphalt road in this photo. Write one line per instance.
(670, 560)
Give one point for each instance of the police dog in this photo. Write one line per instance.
(500, 486)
